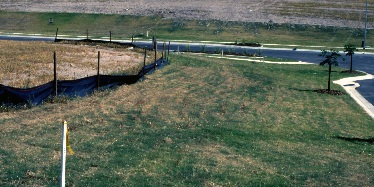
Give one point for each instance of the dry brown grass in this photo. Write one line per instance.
(28, 64)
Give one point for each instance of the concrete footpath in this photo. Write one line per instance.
(350, 84)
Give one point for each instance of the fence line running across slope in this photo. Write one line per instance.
(73, 88)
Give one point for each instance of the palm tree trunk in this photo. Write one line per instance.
(328, 87)
(351, 64)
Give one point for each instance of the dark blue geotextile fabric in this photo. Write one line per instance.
(77, 88)
(35, 95)
(71, 88)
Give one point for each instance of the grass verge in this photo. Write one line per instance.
(197, 122)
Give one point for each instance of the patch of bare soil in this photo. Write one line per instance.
(313, 12)
(111, 61)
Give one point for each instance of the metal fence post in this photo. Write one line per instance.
(98, 69)
(55, 73)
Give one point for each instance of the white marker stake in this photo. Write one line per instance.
(63, 154)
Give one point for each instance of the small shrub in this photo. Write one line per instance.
(231, 50)
(218, 50)
(188, 48)
(259, 53)
(202, 48)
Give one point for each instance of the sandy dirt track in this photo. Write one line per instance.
(279, 11)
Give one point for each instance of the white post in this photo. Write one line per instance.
(63, 154)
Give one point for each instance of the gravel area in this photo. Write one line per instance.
(297, 11)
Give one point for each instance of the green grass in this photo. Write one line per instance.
(197, 122)
(122, 26)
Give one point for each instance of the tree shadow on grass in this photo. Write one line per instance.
(354, 72)
(321, 91)
(302, 90)
(355, 140)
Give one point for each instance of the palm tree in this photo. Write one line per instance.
(350, 50)
(331, 58)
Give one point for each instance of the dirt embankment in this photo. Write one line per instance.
(313, 12)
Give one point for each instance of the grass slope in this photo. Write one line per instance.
(123, 26)
(197, 122)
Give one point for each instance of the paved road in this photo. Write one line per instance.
(25, 38)
(363, 62)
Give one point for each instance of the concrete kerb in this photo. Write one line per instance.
(350, 85)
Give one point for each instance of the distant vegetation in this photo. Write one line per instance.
(121, 26)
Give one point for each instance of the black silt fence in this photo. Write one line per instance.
(72, 88)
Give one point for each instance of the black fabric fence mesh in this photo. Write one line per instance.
(72, 88)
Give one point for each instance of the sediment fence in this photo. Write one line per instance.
(79, 87)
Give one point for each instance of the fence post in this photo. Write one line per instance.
(56, 35)
(163, 51)
(110, 36)
(98, 69)
(55, 73)
(87, 33)
(63, 154)
(155, 54)
(167, 58)
(153, 42)
(145, 55)
(132, 39)
(169, 49)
